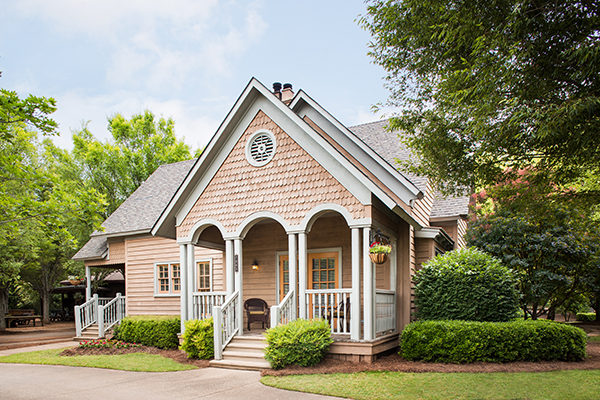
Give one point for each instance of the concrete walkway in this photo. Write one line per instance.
(49, 382)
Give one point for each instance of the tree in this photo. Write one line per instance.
(490, 85)
(549, 245)
(139, 145)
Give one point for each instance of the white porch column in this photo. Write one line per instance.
(368, 290)
(393, 275)
(355, 295)
(229, 272)
(88, 283)
(237, 249)
(191, 266)
(183, 292)
(292, 264)
(302, 255)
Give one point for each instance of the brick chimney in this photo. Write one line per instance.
(287, 94)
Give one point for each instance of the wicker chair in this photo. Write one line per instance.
(257, 310)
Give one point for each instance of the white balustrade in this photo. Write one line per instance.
(226, 323)
(283, 312)
(110, 314)
(332, 305)
(86, 314)
(102, 301)
(203, 303)
(385, 311)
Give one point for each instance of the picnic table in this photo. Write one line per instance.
(22, 317)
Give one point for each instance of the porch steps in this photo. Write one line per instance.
(89, 333)
(244, 352)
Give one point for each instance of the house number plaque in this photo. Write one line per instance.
(235, 263)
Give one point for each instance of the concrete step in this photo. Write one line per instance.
(254, 365)
(246, 346)
(244, 354)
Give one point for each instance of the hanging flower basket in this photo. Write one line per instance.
(378, 252)
(378, 258)
(74, 282)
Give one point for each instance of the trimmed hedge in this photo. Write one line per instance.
(470, 341)
(152, 330)
(466, 284)
(301, 342)
(585, 316)
(198, 339)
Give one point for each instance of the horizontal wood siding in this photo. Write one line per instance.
(423, 251)
(116, 254)
(142, 254)
(422, 208)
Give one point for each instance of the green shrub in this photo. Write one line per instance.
(586, 316)
(466, 284)
(198, 339)
(470, 341)
(301, 342)
(152, 330)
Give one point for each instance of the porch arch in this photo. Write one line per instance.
(314, 214)
(256, 217)
(200, 226)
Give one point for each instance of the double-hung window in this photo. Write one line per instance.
(168, 278)
(203, 276)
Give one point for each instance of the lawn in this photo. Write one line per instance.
(572, 385)
(126, 362)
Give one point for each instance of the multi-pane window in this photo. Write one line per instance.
(323, 270)
(203, 274)
(168, 278)
(284, 276)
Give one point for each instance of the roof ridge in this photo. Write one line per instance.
(369, 123)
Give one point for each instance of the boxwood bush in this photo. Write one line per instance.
(466, 284)
(585, 316)
(301, 342)
(470, 341)
(150, 330)
(198, 339)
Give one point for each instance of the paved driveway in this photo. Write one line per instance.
(47, 382)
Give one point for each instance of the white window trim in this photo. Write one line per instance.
(322, 250)
(157, 293)
(210, 271)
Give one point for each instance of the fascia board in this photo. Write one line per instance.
(389, 175)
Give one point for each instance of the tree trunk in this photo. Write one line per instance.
(3, 307)
(552, 313)
(534, 312)
(45, 297)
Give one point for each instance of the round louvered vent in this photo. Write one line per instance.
(260, 148)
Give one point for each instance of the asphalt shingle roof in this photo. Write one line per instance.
(143, 208)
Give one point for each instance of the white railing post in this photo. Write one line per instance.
(218, 327)
(100, 321)
(274, 316)
(77, 321)
(119, 309)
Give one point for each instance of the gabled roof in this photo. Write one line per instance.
(343, 169)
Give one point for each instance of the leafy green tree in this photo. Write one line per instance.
(138, 146)
(490, 85)
(549, 244)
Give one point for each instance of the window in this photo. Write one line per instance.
(323, 271)
(203, 276)
(168, 278)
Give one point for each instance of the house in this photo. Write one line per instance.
(281, 206)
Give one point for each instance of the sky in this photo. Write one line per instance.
(183, 59)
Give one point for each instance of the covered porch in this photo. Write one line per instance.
(321, 269)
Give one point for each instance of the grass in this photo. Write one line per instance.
(572, 385)
(126, 362)
(593, 338)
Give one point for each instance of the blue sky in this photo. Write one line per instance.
(188, 60)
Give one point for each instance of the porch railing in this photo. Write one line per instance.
(203, 303)
(385, 311)
(226, 323)
(86, 314)
(102, 301)
(332, 305)
(284, 311)
(110, 314)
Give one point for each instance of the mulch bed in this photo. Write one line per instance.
(396, 363)
(176, 355)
